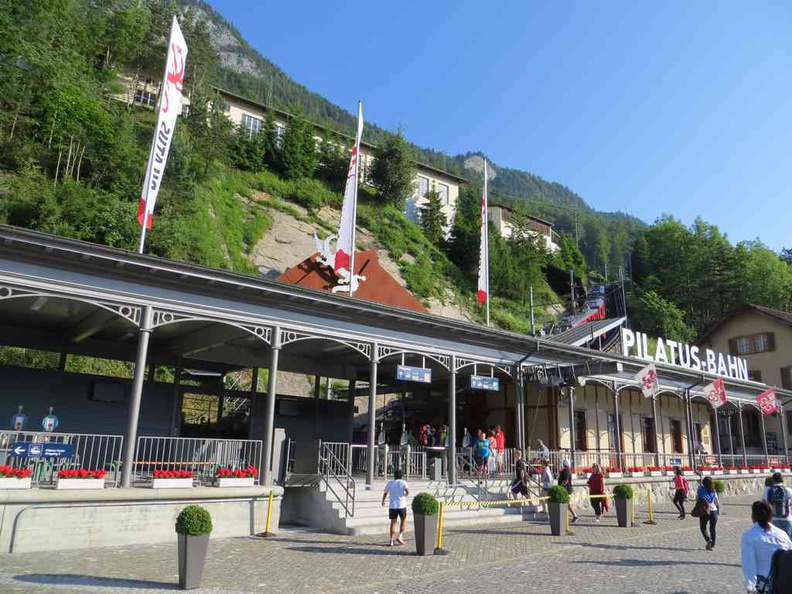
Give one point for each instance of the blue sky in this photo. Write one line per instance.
(682, 108)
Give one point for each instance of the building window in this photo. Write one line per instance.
(755, 375)
(743, 345)
(753, 432)
(145, 98)
(613, 432)
(280, 130)
(676, 436)
(423, 186)
(649, 437)
(786, 378)
(581, 443)
(762, 343)
(252, 125)
(442, 189)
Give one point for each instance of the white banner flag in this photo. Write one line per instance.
(647, 377)
(346, 232)
(483, 280)
(715, 393)
(170, 104)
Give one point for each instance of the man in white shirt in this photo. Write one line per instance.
(398, 490)
(780, 499)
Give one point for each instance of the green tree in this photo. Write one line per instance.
(393, 171)
(433, 219)
(463, 244)
(659, 317)
(298, 153)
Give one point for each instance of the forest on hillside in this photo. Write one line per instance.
(72, 159)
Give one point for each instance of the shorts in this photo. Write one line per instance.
(519, 487)
(396, 513)
(501, 457)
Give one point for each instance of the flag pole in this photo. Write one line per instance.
(143, 234)
(485, 232)
(354, 204)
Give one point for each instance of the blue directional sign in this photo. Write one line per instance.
(27, 449)
(484, 382)
(675, 461)
(406, 373)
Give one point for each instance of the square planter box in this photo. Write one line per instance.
(755, 471)
(735, 471)
(706, 472)
(172, 483)
(636, 474)
(718, 471)
(15, 483)
(744, 471)
(688, 473)
(655, 473)
(74, 483)
(236, 482)
(615, 475)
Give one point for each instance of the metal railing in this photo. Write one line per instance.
(200, 456)
(89, 452)
(335, 474)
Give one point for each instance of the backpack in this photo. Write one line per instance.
(781, 572)
(779, 499)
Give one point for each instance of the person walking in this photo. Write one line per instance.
(780, 498)
(565, 480)
(518, 485)
(500, 443)
(481, 452)
(546, 482)
(544, 451)
(707, 493)
(681, 490)
(596, 486)
(398, 490)
(493, 443)
(758, 546)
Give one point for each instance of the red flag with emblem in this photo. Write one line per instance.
(346, 230)
(648, 380)
(767, 402)
(715, 393)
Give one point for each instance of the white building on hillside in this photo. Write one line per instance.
(501, 216)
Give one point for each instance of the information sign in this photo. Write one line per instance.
(675, 461)
(484, 382)
(27, 449)
(406, 373)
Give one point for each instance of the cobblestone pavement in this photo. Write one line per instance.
(667, 558)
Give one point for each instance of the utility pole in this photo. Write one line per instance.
(533, 325)
(572, 288)
(624, 299)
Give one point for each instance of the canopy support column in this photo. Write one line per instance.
(372, 403)
(689, 431)
(716, 431)
(655, 423)
(742, 435)
(452, 426)
(269, 422)
(764, 438)
(571, 393)
(133, 415)
(782, 413)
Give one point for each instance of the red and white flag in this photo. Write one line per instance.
(483, 280)
(170, 105)
(767, 401)
(346, 231)
(647, 377)
(715, 393)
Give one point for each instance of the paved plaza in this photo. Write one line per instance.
(667, 558)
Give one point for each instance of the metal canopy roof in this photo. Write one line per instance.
(586, 332)
(63, 268)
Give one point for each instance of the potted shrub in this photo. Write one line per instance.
(79, 478)
(558, 508)
(15, 478)
(172, 479)
(613, 472)
(623, 498)
(655, 471)
(720, 486)
(705, 470)
(425, 507)
(635, 471)
(193, 526)
(236, 477)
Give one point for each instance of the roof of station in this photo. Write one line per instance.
(222, 311)
(587, 332)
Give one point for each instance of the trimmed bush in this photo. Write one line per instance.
(720, 486)
(194, 520)
(425, 504)
(623, 492)
(558, 494)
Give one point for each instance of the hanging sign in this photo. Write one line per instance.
(715, 393)
(650, 385)
(636, 344)
(27, 449)
(485, 382)
(18, 422)
(422, 375)
(50, 423)
(767, 402)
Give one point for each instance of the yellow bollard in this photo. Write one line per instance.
(439, 550)
(651, 508)
(269, 514)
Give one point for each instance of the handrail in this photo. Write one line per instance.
(327, 460)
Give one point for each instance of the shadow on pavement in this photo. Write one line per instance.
(634, 547)
(91, 580)
(659, 563)
(379, 550)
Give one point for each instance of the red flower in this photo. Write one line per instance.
(613, 469)
(166, 474)
(249, 472)
(654, 469)
(635, 469)
(686, 469)
(10, 472)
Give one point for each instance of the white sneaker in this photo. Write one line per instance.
(392, 543)
(400, 539)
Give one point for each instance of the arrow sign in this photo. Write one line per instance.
(20, 451)
(26, 449)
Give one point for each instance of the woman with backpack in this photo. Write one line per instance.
(780, 499)
(681, 489)
(759, 544)
(707, 503)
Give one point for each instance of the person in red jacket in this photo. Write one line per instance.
(500, 443)
(596, 486)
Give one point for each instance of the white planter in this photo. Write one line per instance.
(15, 483)
(706, 472)
(615, 475)
(735, 471)
(755, 471)
(236, 482)
(744, 471)
(655, 473)
(718, 471)
(635, 474)
(75, 483)
(787, 471)
(688, 473)
(172, 483)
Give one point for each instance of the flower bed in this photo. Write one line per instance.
(613, 472)
(79, 478)
(236, 477)
(15, 478)
(687, 471)
(732, 470)
(172, 479)
(655, 471)
(635, 471)
(760, 468)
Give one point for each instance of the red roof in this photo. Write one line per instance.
(379, 286)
